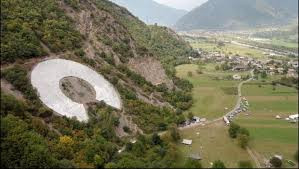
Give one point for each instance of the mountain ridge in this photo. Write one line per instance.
(152, 12)
(239, 14)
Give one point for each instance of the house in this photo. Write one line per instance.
(187, 142)
(195, 156)
(237, 77)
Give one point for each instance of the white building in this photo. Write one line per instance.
(187, 142)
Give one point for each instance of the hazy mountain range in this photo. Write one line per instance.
(152, 12)
(238, 14)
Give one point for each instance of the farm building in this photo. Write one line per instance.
(187, 142)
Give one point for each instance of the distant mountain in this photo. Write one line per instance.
(152, 12)
(238, 14)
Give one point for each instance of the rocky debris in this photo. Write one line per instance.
(151, 69)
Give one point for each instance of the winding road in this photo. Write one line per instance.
(230, 112)
(240, 93)
(255, 159)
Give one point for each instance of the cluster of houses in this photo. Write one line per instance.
(193, 121)
(243, 63)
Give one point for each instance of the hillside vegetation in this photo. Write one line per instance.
(105, 37)
(239, 14)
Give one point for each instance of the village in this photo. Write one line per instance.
(239, 63)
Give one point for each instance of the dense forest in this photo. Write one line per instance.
(33, 136)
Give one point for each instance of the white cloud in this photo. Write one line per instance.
(182, 4)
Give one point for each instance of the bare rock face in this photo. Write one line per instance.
(151, 69)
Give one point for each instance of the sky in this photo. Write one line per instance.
(182, 4)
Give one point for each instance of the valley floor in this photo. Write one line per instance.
(269, 136)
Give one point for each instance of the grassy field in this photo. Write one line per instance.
(279, 42)
(228, 48)
(210, 99)
(213, 143)
(269, 135)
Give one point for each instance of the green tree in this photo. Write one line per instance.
(217, 67)
(275, 162)
(190, 115)
(98, 161)
(156, 139)
(23, 148)
(181, 119)
(191, 163)
(218, 164)
(233, 130)
(243, 140)
(245, 164)
(264, 75)
(244, 131)
(174, 133)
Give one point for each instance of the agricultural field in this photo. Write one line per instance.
(231, 49)
(212, 143)
(280, 42)
(212, 93)
(270, 136)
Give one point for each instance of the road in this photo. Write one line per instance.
(240, 93)
(234, 109)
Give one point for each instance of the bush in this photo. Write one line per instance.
(218, 164)
(244, 131)
(233, 130)
(156, 139)
(243, 140)
(190, 163)
(175, 134)
(245, 164)
(126, 129)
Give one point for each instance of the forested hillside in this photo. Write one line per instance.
(239, 14)
(105, 37)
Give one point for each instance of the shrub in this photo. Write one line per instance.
(190, 163)
(243, 140)
(218, 164)
(126, 129)
(233, 130)
(245, 164)
(275, 162)
(244, 131)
